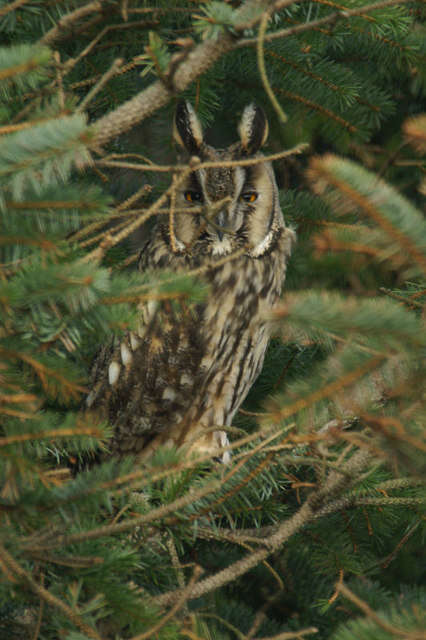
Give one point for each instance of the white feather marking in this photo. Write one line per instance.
(246, 125)
(141, 330)
(222, 440)
(239, 179)
(260, 248)
(152, 307)
(180, 245)
(134, 342)
(168, 394)
(113, 373)
(196, 129)
(186, 379)
(222, 247)
(126, 355)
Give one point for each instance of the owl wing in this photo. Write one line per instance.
(143, 383)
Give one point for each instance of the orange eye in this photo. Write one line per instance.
(192, 196)
(250, 196)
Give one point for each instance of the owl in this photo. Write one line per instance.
(179, 379)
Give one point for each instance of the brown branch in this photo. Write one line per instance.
(40, 615)
(291, 635)
(129, 524)
(147, 102)
(112, 240)
(12, 6)
(66, 22)
(401, 543)
(222, 164)
(201, 58)
(330, 19)
(54, 433)
(185, 593)
(334, 483)
(100, 84)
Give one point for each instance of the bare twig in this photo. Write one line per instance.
(243, 162)
(400, 544)
(66, 22)
(262, 69)
(100, 84)
(59, 80)
(12, 6)
(185, 593)
(130, 227)
(330, 19)
(291, 635)
(201, 58)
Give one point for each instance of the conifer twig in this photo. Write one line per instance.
(129, 524)
(198, 60)
(184, 596)
(321, 169)
(100, 84)
(12, 6)
(209, 164)
(65, 23)
(262, 68)
(344, 14)
(48, 597)
(370, 613)
(401, 543)
(286, 530)
(326, 391)
(40, 614)
(291, 635)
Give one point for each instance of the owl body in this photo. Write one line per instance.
(184, 373)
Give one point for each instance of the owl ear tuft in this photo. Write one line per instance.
(253, 128)
(187, 130)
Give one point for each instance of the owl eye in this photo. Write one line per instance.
(193, 196)
(249, 196)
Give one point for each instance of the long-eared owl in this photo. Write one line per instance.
(180, 378)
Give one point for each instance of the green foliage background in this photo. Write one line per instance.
(317, 526)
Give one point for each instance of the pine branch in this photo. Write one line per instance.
(179, 604)
(344, 14)
(12, 6)
(194, 64)
(286, 530)
(351, 187)
(127, 525)
(16, 570)
(66, 23)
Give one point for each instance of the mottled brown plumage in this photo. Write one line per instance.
(185, 372)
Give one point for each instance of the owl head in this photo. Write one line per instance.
(235, 205)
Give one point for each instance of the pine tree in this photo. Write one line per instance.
(316, 526)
